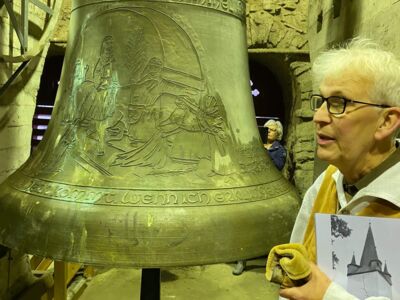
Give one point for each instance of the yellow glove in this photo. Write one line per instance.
(288, 265)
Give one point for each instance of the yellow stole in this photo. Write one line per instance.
(327, 202)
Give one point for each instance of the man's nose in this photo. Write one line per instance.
(322, 114)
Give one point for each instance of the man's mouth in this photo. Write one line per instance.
(323, 139)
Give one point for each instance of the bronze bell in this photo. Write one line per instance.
(152, 157)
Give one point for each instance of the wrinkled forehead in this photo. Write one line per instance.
(348, 82)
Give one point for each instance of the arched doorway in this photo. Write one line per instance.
(267, 96)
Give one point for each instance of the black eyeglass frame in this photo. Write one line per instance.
(345, 101)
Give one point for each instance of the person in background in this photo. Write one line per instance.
(357, 119)
(275, 150)
(277, 153)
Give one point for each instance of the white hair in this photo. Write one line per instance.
(279, 127)
(364, 57)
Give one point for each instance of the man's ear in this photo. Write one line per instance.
(390, 123)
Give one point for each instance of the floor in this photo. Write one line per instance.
(200, 282)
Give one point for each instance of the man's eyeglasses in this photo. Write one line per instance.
(336, 105)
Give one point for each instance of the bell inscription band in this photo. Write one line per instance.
(152, 157)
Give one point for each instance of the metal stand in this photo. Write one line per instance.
(150, 285)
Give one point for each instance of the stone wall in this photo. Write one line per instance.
(17, 105)
(61, 31)
(300, 139)
(277, 24)
(276, 34)
(332, 21)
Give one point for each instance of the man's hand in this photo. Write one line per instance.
(314, 289)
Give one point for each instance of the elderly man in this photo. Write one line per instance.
(357, 118)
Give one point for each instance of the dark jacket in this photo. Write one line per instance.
(277, 154)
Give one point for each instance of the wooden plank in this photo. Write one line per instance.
(40, 263)
(64, 272)
(72, 268)
(44, 264)
(35, 261)
(60, 280)
(89, 272)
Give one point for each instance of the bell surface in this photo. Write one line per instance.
(152, 157)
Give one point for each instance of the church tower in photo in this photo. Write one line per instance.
(368, 279)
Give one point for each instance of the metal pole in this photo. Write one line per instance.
(150, 284)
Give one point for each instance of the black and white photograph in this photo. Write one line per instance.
(359, 253)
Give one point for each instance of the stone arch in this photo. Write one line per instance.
(292, 73)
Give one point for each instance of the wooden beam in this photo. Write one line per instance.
(40, 263)
(89, 272)
(60, 280)
(64, 272)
